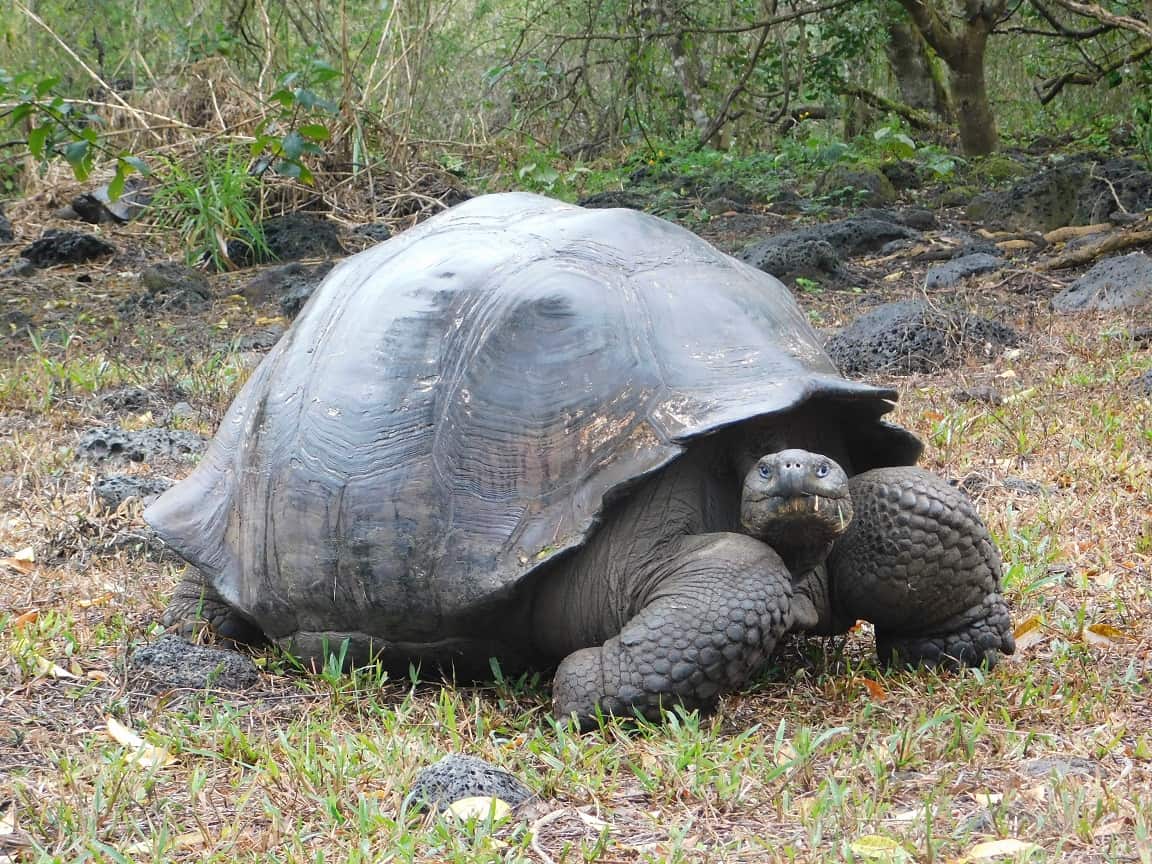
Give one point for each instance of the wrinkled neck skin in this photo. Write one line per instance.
(806, 554)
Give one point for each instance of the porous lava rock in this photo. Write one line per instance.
(1123, 282)
(66, 247)
(172, 663)
(115, 489)
(143, 445)
(457, 776)
(951, 272)
(912, 336)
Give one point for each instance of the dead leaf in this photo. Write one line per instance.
(144, 754)
(139, 421)
(879, 848)
(24, 561)
(102, 600)
(29, 617)
(987, 799)
(47, 667)
(1029, 633)
(874, 688)
(1000, 849)
(480, 807)
(1103, 635)
(1015, 245)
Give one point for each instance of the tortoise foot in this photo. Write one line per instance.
(920, 565)
(979, 642)
(708, 625)
(196, 607)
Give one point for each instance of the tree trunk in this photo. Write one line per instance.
(963, 53)
(975, 121)
(920, 84)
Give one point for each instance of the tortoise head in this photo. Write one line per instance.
(796, 499)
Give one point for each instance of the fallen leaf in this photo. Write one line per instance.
(103, 599)
(29, 617)
(47, 667)
(893, 277)
(987, 799)
(140, 421)
(1103, 635)
(999, 849)
(480, 807)
(875, 690)
(24, 561)
(1028, 633)
(143, 754)
(879, 848)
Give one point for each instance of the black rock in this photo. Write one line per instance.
(375, 231)
(289, 284)
(911, 336)
(1143, 384)
(115, 489)
(19, 268)
(66, 247)
(145, 445)
(174, 286)
(632, 200)
(1124, 282)
(174, 663)
(948, 274)
(128, 399)
(97, 206)
(455, 777)
(290, 238)
(789, 257)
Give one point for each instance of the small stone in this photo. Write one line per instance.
(66, 247)
(144, 445)
(951, 272)
(376, 231)
(174, 663)
(20, 267)
(127, 399)
(1123, 282)
(181, 411)
(455, 777)
(172, 285)
(980, 393)
(115, 489)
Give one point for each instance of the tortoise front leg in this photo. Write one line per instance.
(195, 605)
(719, 606)
(919, 564)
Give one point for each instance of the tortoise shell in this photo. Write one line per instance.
(455, 407)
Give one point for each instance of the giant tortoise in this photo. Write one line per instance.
(528, 433)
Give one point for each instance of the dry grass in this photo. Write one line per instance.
(1053, 748)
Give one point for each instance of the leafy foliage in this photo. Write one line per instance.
(212, 204)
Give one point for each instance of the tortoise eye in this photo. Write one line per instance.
(822, 470)
(765, 470)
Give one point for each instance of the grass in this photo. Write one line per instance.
(825, 758)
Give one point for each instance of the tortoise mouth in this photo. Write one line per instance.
(801, 519)
(805, 506)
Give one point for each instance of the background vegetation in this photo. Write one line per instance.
(356, 97)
